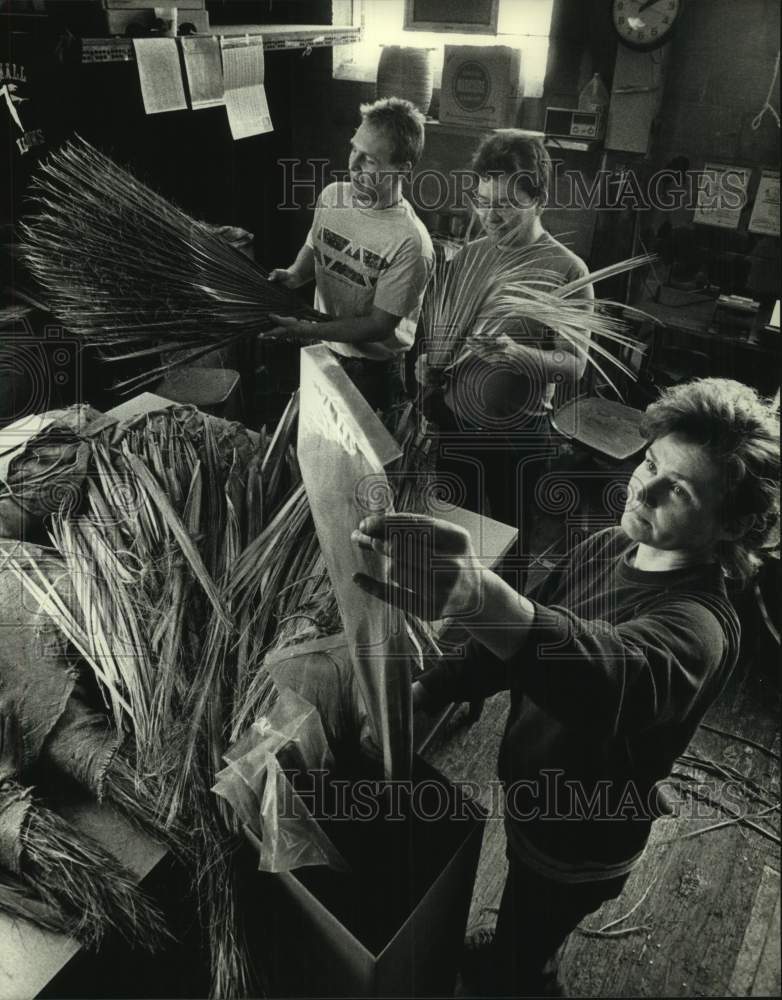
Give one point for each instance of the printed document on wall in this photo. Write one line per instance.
(765, 211)
(722, 195)
(245, 95)
(204, 71)
(160, 74)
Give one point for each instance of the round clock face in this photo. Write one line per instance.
(645, 24)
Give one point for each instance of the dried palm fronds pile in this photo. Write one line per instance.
(171, 500)
(131, 273)
(476, 295)
(192, 555)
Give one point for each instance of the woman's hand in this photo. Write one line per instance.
(434, 572)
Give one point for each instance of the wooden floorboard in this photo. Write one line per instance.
(756, 972)
(704, 889)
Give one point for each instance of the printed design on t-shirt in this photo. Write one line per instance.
(332, 239)
(373, 263)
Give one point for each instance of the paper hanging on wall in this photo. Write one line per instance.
(722, 195)
(245, 95)
(160, 75)
(204, 71)
(765, 211)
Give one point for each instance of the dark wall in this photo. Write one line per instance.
(188, 156)
(722, 62)
(721, 66)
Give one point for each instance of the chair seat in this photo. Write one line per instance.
(210, 389)
(604, 425)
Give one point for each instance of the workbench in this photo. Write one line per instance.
(684, 341)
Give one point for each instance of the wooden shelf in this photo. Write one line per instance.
(457, 127)
(276, 37)
(577, 145)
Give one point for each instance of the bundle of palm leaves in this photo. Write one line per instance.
(85, 748)
(133, 274)
(474, 296)
(63, 880)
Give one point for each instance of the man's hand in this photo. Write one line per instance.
(288, 277)
(240, 239)
(296, 329)
(10, 743)
(434, 572)
(492, 347)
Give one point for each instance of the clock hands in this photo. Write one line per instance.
(647, 3)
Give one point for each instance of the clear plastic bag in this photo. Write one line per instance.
(257, 787)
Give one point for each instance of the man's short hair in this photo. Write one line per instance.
(518, 155)
(740, 432)
(401, 122)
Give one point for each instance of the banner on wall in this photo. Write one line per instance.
(17, 108)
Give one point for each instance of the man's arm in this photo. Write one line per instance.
(378, 325)
(299, 273)
(561, 362)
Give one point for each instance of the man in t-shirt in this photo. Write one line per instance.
(369, 253)
(497, 400)
(611, 663)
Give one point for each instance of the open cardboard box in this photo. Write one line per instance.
(393, 925)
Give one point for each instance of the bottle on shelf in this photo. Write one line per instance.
(595, 97)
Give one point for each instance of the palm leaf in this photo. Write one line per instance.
(123, 266)
(475, 294)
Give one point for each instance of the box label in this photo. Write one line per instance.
(471, 86)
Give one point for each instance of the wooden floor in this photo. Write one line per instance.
(709, 924)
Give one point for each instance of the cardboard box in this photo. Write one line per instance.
(482, 85)
(118, 20)
(395, 925)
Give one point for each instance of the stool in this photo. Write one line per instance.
(213, 390)
(605, 427)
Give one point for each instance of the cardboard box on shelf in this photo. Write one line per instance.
(118, 20)
(151, 4)
(482, 85)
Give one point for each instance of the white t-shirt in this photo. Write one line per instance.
(367, 257)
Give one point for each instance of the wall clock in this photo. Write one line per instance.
(645, 24)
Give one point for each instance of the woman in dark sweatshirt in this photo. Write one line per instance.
(611, 663)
